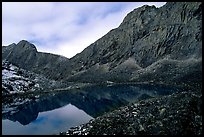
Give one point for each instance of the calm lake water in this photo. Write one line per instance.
(59, 112)
(49, 122)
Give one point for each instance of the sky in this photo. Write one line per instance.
(63, 28)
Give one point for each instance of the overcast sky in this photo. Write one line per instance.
(63, 28)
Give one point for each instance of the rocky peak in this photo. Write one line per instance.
(25, 55)
(139, 16)
(25, 45)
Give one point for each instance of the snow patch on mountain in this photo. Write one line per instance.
(16, 80)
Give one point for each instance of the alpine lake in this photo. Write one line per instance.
(55, 113)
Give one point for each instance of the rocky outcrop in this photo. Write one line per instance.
(150, 45)
(176, 114)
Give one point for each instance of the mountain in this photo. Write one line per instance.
(26, 56)
(152, 45)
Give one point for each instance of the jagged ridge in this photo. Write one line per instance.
(148, 37)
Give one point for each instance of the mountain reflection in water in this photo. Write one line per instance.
(48, 122)
(94, 101)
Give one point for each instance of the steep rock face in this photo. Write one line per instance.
(151, 40)
(161, 45)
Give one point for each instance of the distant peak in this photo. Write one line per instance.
(23, 42)
(26, 45)
(144, 7)
(13, 44)
(147, 6)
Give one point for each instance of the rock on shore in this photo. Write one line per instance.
(176, 114)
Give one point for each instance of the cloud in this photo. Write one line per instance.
(62, 28)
